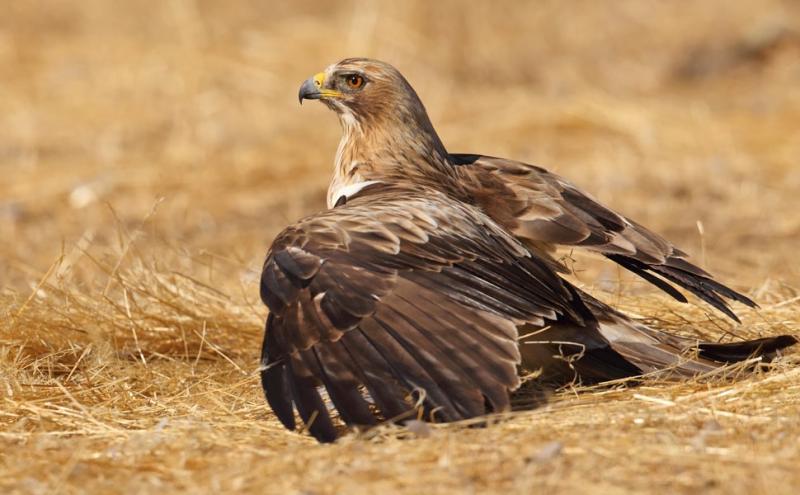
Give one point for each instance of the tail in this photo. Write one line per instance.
(616, 347)
(739, 351)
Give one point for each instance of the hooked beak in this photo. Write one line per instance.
(313, 89)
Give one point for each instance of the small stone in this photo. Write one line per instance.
(548, 452)
(419, 428)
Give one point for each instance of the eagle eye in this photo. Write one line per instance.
(354, 81)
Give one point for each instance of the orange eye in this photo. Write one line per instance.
(354, 81)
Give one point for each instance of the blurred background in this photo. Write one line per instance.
(151, 150)
(179, 119)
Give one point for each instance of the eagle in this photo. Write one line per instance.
(430, 282)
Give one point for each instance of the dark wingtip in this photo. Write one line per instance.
(274, 379)
(732, 315)
(323, 434)
(747, 301)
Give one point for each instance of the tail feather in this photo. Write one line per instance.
(766, 347)
(565, 352)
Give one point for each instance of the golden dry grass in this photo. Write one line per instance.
(150, 151)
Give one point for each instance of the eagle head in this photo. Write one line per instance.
(366, 90)
(387, 134)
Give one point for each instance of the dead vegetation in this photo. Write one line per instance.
(151, 150)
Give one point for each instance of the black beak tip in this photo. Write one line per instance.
(308, 91)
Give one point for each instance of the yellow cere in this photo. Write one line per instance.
(319, 80)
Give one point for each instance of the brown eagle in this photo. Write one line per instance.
(408, 296)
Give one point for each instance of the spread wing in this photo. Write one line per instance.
(544, 208)
(402, 301)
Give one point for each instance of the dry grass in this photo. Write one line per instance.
(151, 150)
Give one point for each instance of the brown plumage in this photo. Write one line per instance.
(408, 296)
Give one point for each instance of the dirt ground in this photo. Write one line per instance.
(150, 151)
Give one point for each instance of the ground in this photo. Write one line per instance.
(151, 150)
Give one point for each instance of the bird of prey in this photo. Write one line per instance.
(407, 298)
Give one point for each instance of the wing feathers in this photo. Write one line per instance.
(309, 403)
(490, 377)
(298, 263)
(406, 362)
(379, 373)
(342, 384)
(557, 212)
(641, 270)
(275, 378)
(441, 365)
(417, 304)
(409, 303)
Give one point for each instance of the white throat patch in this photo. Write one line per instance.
(347, 191)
